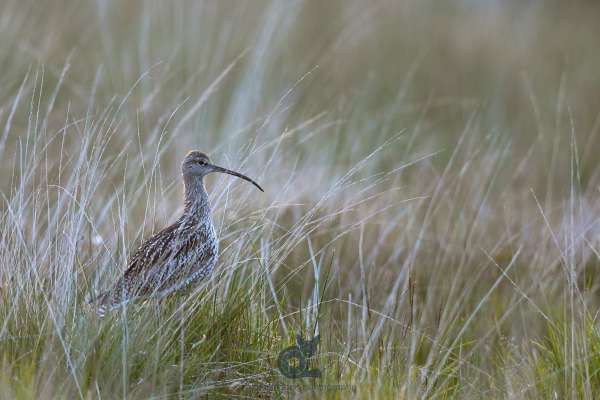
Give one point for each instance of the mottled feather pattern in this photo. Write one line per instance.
(173, 258)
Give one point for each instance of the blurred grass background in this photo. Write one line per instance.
(430, 172)
(521, 66)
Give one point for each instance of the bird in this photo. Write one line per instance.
(183, 252)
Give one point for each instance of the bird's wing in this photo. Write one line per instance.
(164, 248)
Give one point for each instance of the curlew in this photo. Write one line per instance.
(181, 253)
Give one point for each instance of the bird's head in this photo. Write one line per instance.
(197, 165)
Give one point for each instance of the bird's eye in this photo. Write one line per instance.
(202, 162)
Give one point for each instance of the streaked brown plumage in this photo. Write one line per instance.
(181, 253)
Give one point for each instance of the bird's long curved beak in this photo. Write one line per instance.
(216, 168)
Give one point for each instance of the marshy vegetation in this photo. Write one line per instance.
(430, 210)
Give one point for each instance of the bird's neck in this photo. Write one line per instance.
(197, 204)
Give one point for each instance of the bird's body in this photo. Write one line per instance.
(178, 255)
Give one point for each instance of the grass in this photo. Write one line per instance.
(429, 210)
